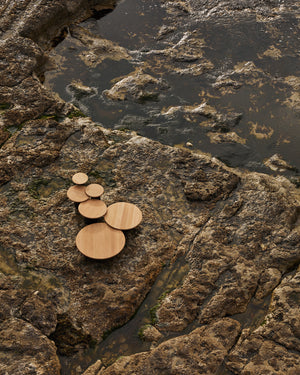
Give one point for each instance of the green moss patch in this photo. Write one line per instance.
(4, 106)
(46, 117)
(142, 329)
(154, 309)
(75, 114)
(44, 187)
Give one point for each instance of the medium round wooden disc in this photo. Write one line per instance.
(100, 241)
(94, 190)
(80, 178)
(123, 216)
(92, 208)
(77, 194)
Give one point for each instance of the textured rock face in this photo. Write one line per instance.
(30, 352)
(238, 231)
(274, 346)
(200, 352)
(137, 86)
(230, 255)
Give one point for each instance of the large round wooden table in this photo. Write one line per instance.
(100, 241)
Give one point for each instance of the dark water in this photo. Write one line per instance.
(268, 124)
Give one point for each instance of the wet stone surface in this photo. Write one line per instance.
(209, 281)
(239, 60)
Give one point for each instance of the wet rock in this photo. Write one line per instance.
(94, 369)
(217, 121)
(150, 333)
(79, 91)
(30, 352)
(97, 48)
(202, 351)
(136, 86)
(164, 30)
(276, 163)
(224, 81)
(177, 7)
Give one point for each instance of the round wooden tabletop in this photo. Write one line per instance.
(92, 208)
(123, 216)
(94, 190)
(80, 178)
(77, 193)
(100, 241)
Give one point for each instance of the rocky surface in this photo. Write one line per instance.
(200, 352)
(238, 231)
(274, 346)
(29, 351)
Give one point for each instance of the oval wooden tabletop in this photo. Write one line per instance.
(92, 208)
(94, 190)
(80, 178)
(77, 194)
(123, 215)
(100, 241)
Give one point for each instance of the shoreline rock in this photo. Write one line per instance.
(240, 232)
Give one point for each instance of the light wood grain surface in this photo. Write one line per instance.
(94, 190)
(123, 215)
(100, 241)
(80, 178)
(77, 193)
(92, 208)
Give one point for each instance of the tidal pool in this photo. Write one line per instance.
(244, 71)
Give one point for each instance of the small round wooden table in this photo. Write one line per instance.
(94, 190)
(92, 208)
(100, 241)
(123, 215)
(77, 194)
(80, 178)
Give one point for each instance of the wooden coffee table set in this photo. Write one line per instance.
(101, 240)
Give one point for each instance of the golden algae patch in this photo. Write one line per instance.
(260, 131)
(293, 101)
(272, 52)
(231, 137)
